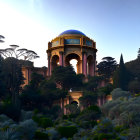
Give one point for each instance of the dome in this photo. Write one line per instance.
(72, 32)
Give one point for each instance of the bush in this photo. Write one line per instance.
(43, 121)
(11, 110)
(67, 131)
(105, 136)
(41, 135)
(119, 128)
(65, 117)
(27, 129)
(119, 93)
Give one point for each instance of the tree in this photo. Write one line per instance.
(2, 83)
(134, 67)
(50, 92)
(134, 86)
(122, 76)
(13, 77)
(107, 67)
(88, 99)
(139, 53)
(31, 97)
(65, 77)
(93, 83)
(119, 93)
(18, 53)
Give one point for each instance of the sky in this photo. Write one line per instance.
(113, 24)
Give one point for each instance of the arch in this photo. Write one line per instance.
(75, 56)
(90, 65)
(74, 102)
(54, 62)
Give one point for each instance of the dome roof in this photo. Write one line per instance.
(72, 32)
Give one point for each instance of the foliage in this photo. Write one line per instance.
(11, 110)
(122, 76)
(134, 67)
(72, 108)
(119, 93)
(9, 134)
(39, 135)
(50, 92)
(88, 99)
(53, 133)
(2, 82)
(27, 129)
(106, 90)
(26, 115)
(18, 53)
(67, 131)
(107, 67)
(138, 53)
(43, 121)
(89, 114)
(66, 77)
(93, 83)
(9, 130)
(13, 77)
(134, 86)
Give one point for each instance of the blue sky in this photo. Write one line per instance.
(113, 24)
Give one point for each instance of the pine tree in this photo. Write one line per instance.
(2, 85)
(121, 76)
(139, 53)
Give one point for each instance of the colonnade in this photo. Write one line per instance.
(86, 65)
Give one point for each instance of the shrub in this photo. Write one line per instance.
(65, 117)
(104, 136)
(43, 121)
(11, 111)
(41, 135)
(26, 115)
(67, 131)
(27, 129)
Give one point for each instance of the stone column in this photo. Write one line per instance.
(50, 68)
(85, 64)
(91, 68)
(48, 65)
(61, 58)
(79, 66)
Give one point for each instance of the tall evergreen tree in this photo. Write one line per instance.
(2, 85)
(139, 53)
(13, 77)
(121, 76)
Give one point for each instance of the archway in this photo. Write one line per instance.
(90, 65)
(74, 60)
(54, 62)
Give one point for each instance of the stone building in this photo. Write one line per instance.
(72, 44)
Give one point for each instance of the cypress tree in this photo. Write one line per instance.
(121, 76)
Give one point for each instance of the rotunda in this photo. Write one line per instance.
(72, 44)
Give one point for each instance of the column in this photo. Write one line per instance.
(85, 64)
(49, 65)
(91, 68)
(50, 68)
(61, 58)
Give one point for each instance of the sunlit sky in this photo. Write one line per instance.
(113, 24)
